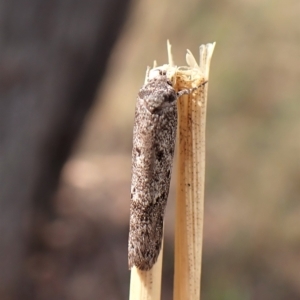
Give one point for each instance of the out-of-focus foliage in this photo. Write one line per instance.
(252, 207)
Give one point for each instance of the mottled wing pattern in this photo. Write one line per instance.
(152, 155)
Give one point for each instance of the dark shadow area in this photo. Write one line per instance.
(53, 56)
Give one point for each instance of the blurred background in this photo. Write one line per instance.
(75, 240)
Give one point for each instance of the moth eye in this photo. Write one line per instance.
(169, 98)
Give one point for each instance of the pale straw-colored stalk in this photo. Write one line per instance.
(146, 285)
(190, 175)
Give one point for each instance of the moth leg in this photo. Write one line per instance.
(189, 91)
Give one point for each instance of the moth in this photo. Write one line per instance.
(154, 135)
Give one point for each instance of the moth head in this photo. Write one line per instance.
(158, 94)
(156, 72)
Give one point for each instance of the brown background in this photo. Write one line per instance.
(252, 207)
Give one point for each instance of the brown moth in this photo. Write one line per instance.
(154, 135)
